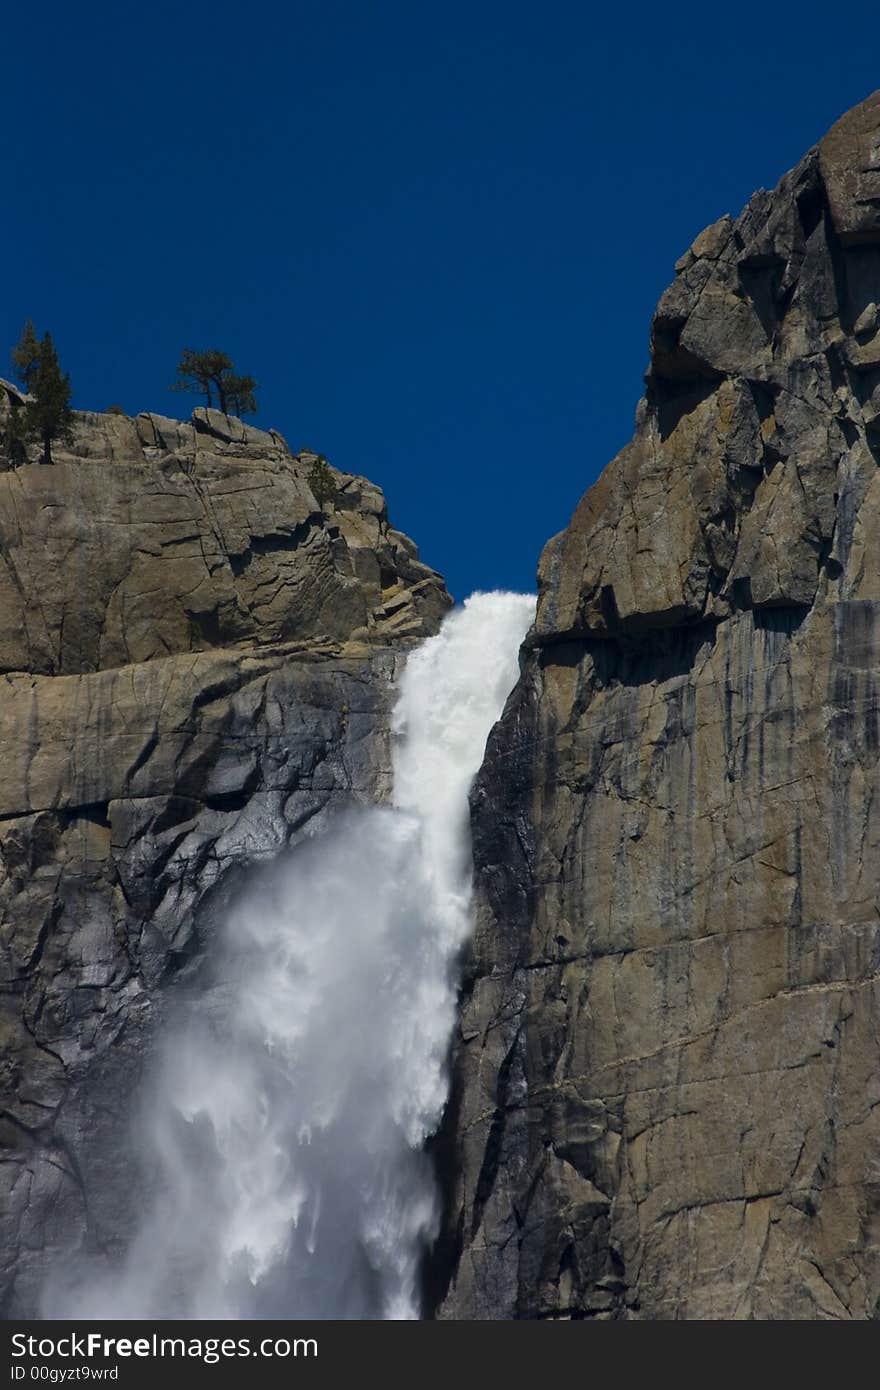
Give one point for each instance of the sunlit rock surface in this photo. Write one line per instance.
(667, 1074)
(197, 668)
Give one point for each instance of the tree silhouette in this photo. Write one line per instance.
(48, 415)
(26, 355)
(241, 394)
(322, 482)
(212, 372)
(16, 434)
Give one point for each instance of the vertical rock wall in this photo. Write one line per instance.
(667, 1075)
(196, 669)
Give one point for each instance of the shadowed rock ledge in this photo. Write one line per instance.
(196, 666)
(667, 1074)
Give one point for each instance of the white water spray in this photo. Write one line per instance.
(286, 1129)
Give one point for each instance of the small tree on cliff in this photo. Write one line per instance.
(203, 371)
(212, 372)
(322, 482)
(15, 434)
(26, 355)
(241, 393)
(48, 415)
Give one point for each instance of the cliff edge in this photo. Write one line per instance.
(667, 1080)
(197, 666)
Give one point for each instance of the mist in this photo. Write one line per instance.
(282, 1126)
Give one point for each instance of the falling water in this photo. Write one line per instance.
(286, 1126)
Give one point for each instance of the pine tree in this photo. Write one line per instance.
(322, 482)
(48, 415)
(241, 395)
(211, 371)
(16, 434)
(26, 355)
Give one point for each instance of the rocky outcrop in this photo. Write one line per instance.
(151, 538)
(196, 666)
(667, 1080)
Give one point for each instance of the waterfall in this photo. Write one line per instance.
(284, 1126)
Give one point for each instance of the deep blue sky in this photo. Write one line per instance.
(434, 232)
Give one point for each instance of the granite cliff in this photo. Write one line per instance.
(196, 665)
(667, 1080)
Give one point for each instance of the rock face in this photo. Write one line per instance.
(667, 1075)
(197, 665)
(154, 538)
